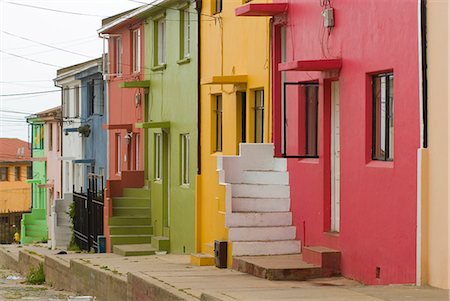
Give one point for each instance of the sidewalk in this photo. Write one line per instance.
(171, 277)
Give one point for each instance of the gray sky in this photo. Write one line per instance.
(72, 32)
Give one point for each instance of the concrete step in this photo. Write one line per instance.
(37, 233)
(259, 219)
(130, 220)
(131, 202)
(202, 259)
(260, 156)
(254, 248)
(130, 230)
(136, 192)
(328, 259)
(280, 267)
(64, 224)
(261, 233)
(134, 250)
(260, 191)
(161, 243)
(131, 211)
(261, 204)
(269, 177)
(130, 239)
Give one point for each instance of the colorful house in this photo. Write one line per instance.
(235, 130)
(34, 225)
(127, 217)
(15, 192)
(352, 156)
(83, 140)
(434, 259)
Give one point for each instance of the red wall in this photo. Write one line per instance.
(122, 106)
(378, 199)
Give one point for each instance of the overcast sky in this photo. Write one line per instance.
(74, 32)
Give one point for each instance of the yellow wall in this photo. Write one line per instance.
(437, 271)
(230, 45)
(15, 196)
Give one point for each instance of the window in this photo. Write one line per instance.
(17, 173)
(217, 6)
(91, 97)
(66, 96)
(158, 156)
(50, 136)
(119, 52)
(185, 33)
(3, 174)
(77, 101)
(118, 153)
(29, 172)
(185, 159)
(383, 117)
(38, 136)
(160, 33)
(95, 92)
(137, 50)
(259, 116)
(218, 122)
(312, 116)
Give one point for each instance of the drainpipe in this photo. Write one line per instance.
(423, 97)
(199, 103)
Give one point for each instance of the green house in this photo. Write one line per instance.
(34, 224)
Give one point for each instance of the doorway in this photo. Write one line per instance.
(335, 157)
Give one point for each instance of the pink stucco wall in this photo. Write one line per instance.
(378, 199)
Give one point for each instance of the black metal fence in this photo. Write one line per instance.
(88, 217)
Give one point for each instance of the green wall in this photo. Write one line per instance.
(172, 98)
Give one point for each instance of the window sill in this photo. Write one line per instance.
(183, 61)
(308, 160)
(185, 186)
(332, 234)
(380, 164)
(159, 67)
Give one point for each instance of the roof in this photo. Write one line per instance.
(11, 150)
(70, 70)
(50, 114)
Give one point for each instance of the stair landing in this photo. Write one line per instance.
(279, 267)
(134, 250)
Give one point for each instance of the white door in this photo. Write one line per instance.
(335, 158)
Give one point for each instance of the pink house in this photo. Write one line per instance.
(347, 117)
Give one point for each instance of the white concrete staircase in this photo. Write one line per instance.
(62, 226)
(258, 213)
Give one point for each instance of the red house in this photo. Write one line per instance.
(126, 98)
(347, 116)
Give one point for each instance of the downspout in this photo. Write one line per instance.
(199, 103)
(423, 104)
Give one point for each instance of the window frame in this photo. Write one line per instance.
(217, 7)
(160, 39)
(118, 154)
(76, 98)
(29, 172)
(137, 55)
(66, 102)
(388, 121)
(258, 109)
(50, 136)
(40, 128)
(185, 33)
(118, 49)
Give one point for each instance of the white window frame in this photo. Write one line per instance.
(76, 97)
(186, 33)
(137, 50)
(119, 53)
(185, 146)
(137, 146)
(66, 102)
(161, 24)
(118, 154)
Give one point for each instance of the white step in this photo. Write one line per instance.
(261, 177)
(260, 191)
(261, 233)
(261, 204)
(256, 156)
(259, 219)
(254, 248)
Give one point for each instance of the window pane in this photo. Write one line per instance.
(29, 172)
(3, 173)
(161, 42)
(17, 173)
(186, 34)
(119, 55)
(391, 117)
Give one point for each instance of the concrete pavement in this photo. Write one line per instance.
(171, 277)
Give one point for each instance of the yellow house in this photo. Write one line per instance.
(235, 106)
(15, 165)
(435, 234)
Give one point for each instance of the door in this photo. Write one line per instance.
(166, 177)
(335, 158)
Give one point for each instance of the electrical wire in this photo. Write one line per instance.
(55, 10)
(28, 59)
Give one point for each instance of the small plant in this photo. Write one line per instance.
(72, 244)
(84, 130)
(36, 276)
(44, 240)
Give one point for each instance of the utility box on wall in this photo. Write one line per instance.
(221, 253)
